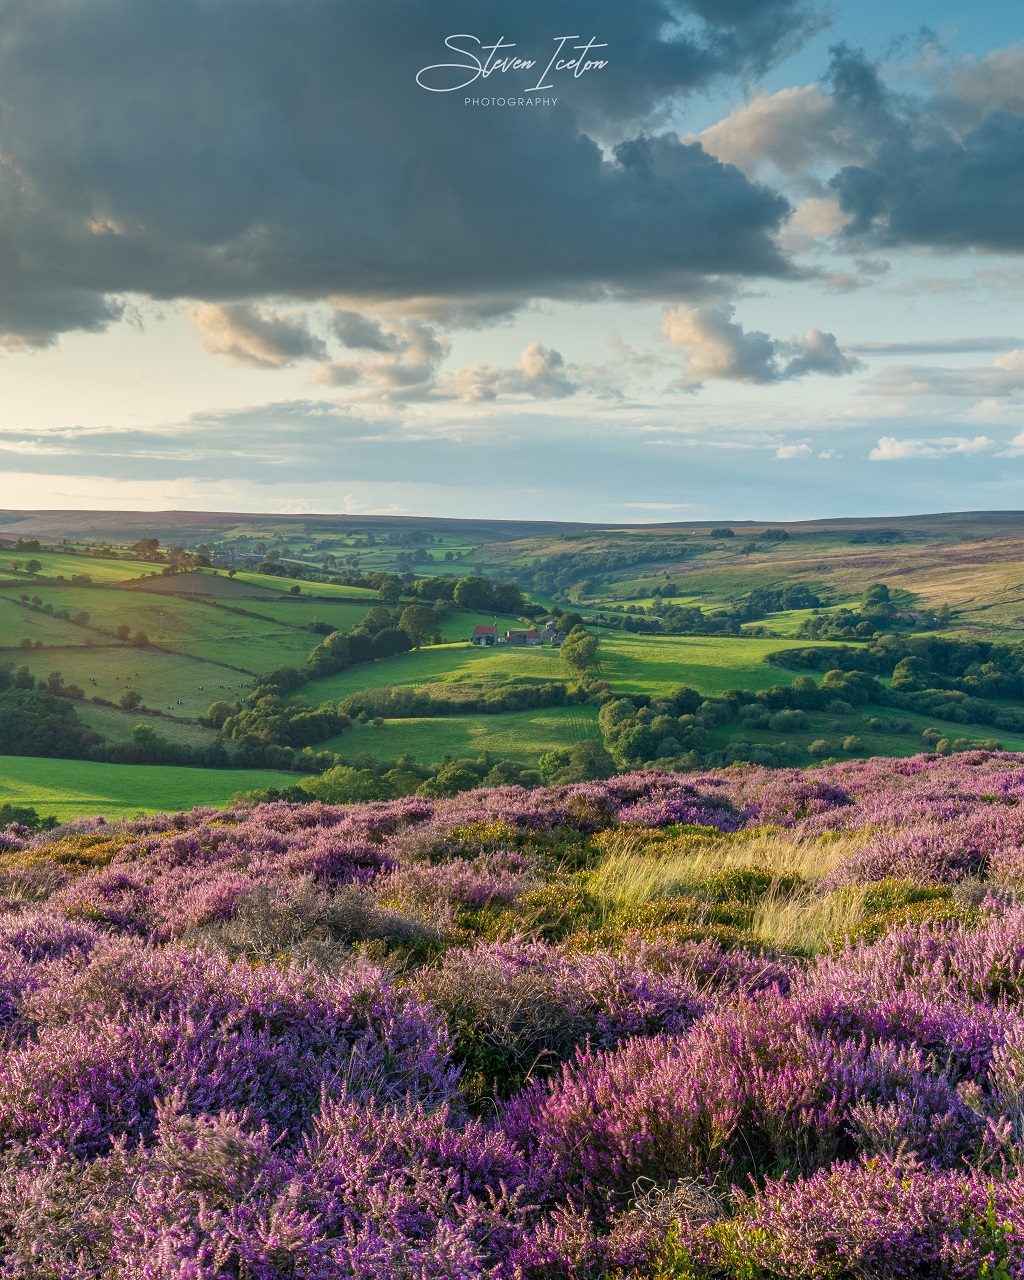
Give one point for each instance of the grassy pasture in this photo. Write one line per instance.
(204, 584)
(874, 740)
(18, 623)
(167, 681)
(116, 725)
(710, 664)
(342, 615)
(320, 590)
(515, 735)
(192, 627)
(788, 623)
(451, 665)
(68, 565)
(74, 788)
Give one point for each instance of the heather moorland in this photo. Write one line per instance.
(740, 1023)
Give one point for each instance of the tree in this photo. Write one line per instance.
(474, 593)
(417, 621)
(146, 549)
(450, 780)
(131, 700)
(32, 566)
(579, 651)
(721, 532)
(345, 785)
(582, 762)
(377, 619)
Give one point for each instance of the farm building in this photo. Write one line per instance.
(484, 635)
(523, 637)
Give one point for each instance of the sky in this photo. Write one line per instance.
(746, 259)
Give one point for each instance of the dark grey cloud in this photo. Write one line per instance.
(925, 182)
(230, 151)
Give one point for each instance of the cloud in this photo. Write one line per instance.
(1004, 377)
(967, 91)
(311, 166)
(254, 336)
(788, 451)
(528, 462)
(540, 372)
(890, 449)
(402, 364)
(796, 130)
(817, 352)
(363, 333)
(924, 181)
(939, 164)
(815, 218)
(936, 346)
(717, 347)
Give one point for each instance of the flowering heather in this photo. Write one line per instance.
(423, 1040)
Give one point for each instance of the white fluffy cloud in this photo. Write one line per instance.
(795, 130)
(891, 449)
(717, 347)
(540, 372)
(255, 335)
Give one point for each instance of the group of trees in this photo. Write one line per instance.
(366, 778)
(680, 730)
(877, 614)
(36, 720)
(663, 617)
(340, 650)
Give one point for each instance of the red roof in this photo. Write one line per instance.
(485, 631)
(534, 635)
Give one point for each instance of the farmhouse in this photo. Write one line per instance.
(484, 635)
(523, 637)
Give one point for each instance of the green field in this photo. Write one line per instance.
(68, 788)
(298, 611)
(710, 664)
(788, 623)
(166, 681)
(874, 739)
(67, 565)
(18, 623)
(515, 735)
(116, 725)
(193, 627)
(321, 590)
(451, 665)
